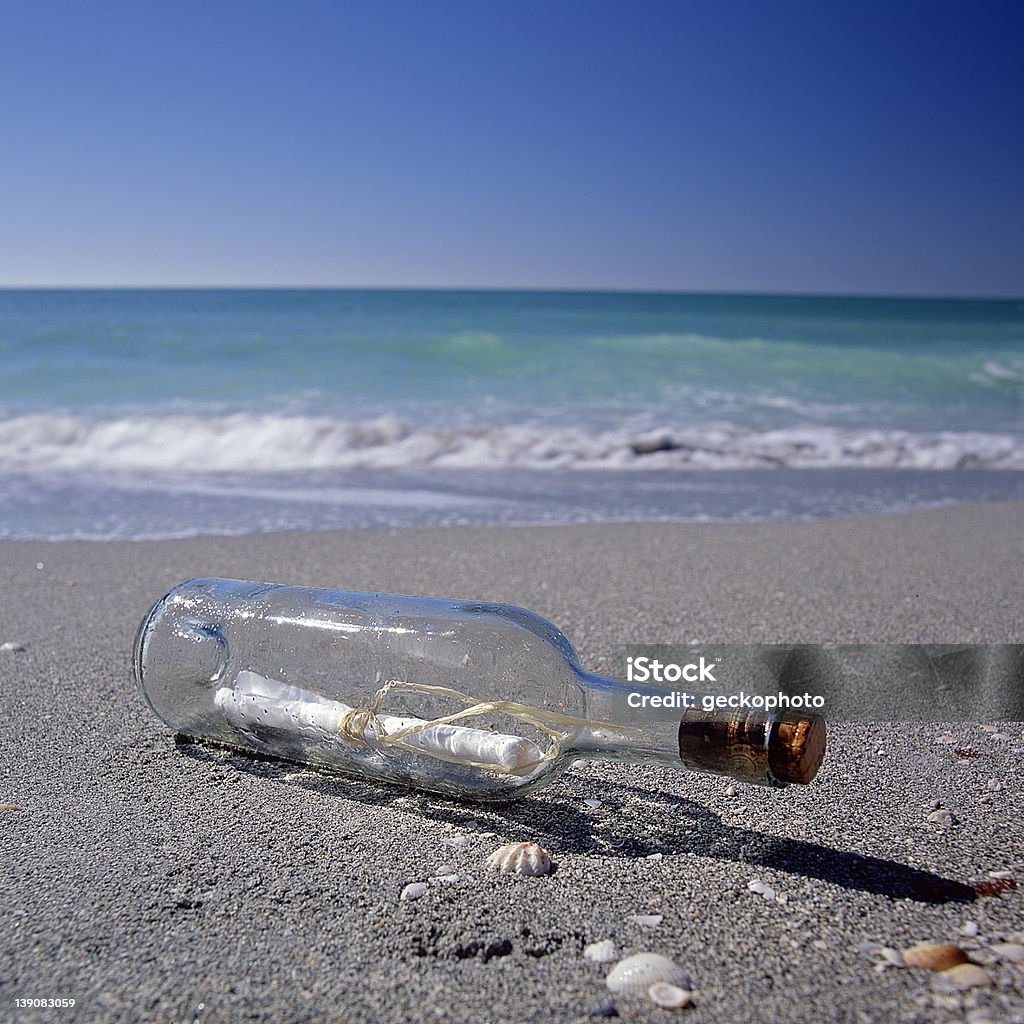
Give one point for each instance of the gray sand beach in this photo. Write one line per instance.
(151, 880)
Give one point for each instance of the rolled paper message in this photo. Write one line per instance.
(255, 702)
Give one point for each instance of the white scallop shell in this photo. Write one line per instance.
(522, 858)
(637, 973)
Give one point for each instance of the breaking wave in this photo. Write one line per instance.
(246, 442)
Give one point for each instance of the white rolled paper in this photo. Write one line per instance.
(257, 701)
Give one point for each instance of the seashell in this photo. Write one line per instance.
(942, 817)
(969, 929)
(413, 891)
(646, 920)
(1008, 950)
(603, 952)
(669, 997)
(445, 879)
(457, 841)
(12, 645)
(762, 889)
(869, 948)
(521, 858)
(935, 956)
(592, 804)
(961, 977)
(654, 856)
(637, 973)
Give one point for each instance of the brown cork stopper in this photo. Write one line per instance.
(753, 747)
(796, 748)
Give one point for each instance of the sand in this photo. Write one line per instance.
(152, 880)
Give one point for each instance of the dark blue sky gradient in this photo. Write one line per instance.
(770, 146)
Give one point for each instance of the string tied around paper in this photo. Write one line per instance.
(553, 724)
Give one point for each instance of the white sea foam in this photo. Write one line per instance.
(245, 442)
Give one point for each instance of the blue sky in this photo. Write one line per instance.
(772, 146)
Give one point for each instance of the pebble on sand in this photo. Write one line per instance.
(603, 952)
(962, 977)
(934, 956)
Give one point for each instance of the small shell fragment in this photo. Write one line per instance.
(521, 858)
(12, 645)
(646, 920)
(456, 841)
(637, 973)
(961, 977)
(762, 889)
(891, 957)
(413, 891)
(969, 929)
(668, 996)
(603, 952)
(869, 948)
(934, 956)
(1008, 950)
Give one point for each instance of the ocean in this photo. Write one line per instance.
(160, 413)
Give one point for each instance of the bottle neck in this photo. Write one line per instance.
(656, 726)
(625, 726)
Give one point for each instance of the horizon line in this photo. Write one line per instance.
(520, 289)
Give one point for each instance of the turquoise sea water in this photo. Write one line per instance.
(227, 407)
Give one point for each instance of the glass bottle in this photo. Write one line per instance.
(473, 700)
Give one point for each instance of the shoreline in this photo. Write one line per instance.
(144, 876)
(126, 505)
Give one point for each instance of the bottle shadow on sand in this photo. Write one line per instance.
(645, 821)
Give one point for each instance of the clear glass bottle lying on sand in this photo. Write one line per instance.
(473, 700)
